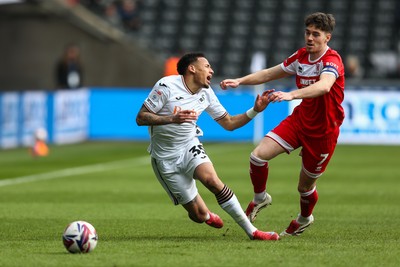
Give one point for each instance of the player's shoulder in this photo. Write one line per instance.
(168, 83)
(300, 53)
(332, 57)
(297, 55)
(333, 54)
(332, 51)
(169, 80)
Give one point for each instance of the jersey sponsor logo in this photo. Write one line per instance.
(331, 64)
(177, 109)
(151, 103)
(307, 82)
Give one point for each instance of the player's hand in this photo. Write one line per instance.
(262, 101)
(229, 83)
(280, 96)
(185, 116)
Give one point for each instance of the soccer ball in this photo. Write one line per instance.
(80, 237)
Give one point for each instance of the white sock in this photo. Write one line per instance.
(303, 220)
(259, 197)
(233, 208)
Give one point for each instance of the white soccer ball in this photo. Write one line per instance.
(80, 237)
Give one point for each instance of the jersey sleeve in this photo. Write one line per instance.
(215, 108)
(289, 65)
(333, 65)
(157, 97)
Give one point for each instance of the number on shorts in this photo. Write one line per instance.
(198, 150)
(324, 157)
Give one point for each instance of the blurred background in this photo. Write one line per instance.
(65, 60)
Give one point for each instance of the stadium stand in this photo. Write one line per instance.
(36, 31)
(231, 31)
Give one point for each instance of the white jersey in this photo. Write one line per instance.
(169, 95)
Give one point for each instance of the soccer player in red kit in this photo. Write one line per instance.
(313, 125)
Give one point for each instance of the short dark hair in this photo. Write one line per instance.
(322, 21)
(186, 60)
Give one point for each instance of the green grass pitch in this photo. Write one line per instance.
(111, 185)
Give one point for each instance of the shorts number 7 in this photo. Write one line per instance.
(324, 157)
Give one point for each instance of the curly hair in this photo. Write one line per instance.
(322, 21)
(186, 60)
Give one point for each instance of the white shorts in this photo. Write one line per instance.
(176, 175)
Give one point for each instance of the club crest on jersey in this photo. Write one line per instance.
(202, 98)
(318, 68)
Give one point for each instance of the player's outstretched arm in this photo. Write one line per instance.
(317, 89)
(231, 123)
(262, 100)
(255, 78)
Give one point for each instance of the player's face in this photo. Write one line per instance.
(316, 41)
(203, 73)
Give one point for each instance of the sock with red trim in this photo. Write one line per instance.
(308, 201)
(258, 173)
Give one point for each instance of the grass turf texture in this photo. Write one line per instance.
(111, 185)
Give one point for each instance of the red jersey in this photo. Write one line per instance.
(317, 117)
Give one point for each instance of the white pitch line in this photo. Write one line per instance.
(76, 171)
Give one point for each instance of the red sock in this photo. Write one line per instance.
(258, 173)
(308, 201)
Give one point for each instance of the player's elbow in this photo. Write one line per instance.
(325, 89)
(230, 128)
(325, 85)
(139, 120)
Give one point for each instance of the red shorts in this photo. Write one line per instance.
(315, 152)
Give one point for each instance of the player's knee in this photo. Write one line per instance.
(213, 183)
(305, 188)
(302, 188)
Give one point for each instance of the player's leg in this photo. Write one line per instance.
(308, 199)
(266, 150)
(182, 190)
(198, 212)
(228, 201)
(307, 188)
(316, 154)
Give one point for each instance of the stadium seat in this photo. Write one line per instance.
(239, 28)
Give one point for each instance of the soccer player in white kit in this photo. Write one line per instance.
(178, 158)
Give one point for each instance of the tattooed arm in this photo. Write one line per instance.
(146, 117)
